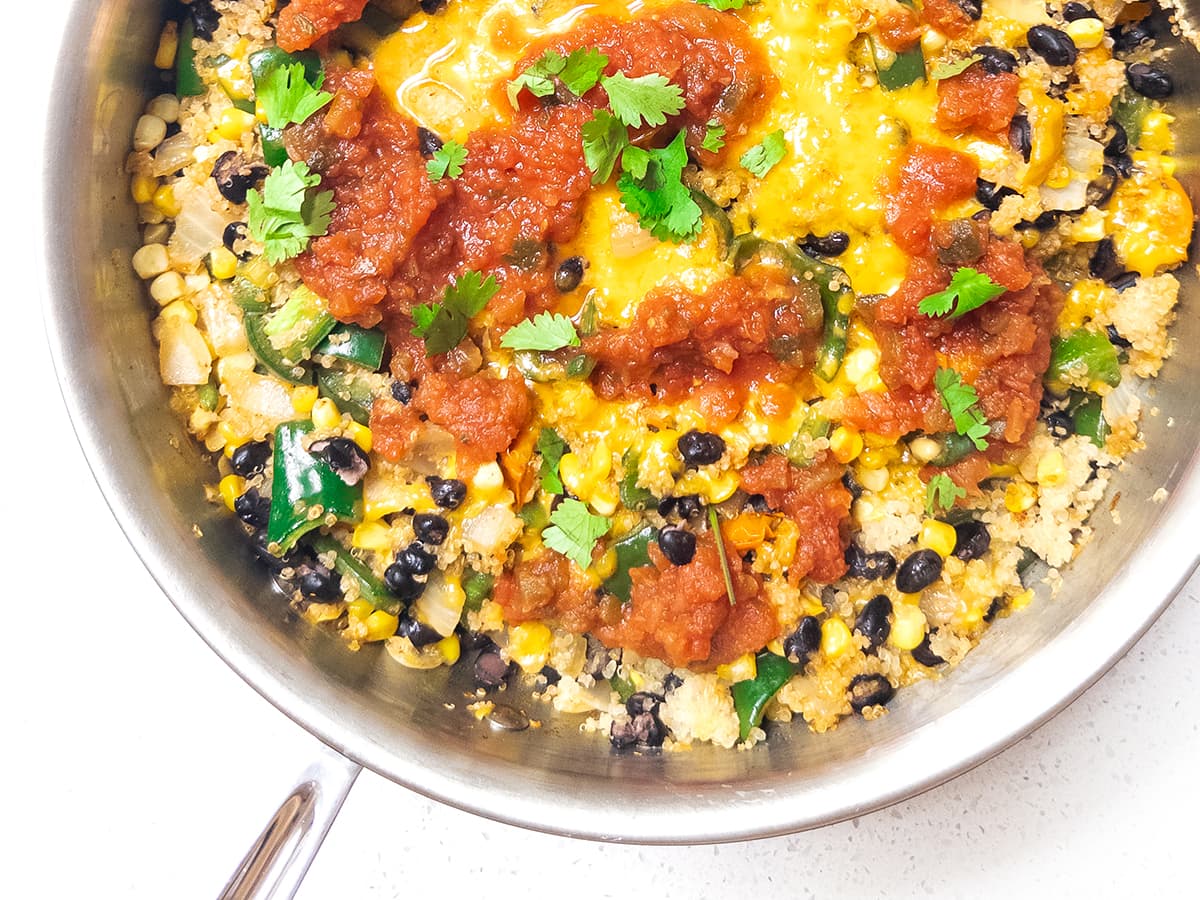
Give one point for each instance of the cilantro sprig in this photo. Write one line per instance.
(950, 69)
(579, 71)
(968, 289)
(443, 325)
(447, 161)
(941, 494)
(961, 401)
(647, 98)
(652, 189)
(552, 447)
(714, 136)
(288, 213)
(545, 331)
(288, 98)
(765, 155)
(723, 5)
(573, 531)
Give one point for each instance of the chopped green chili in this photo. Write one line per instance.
(750, 697)
(305, 491)
(632, 551)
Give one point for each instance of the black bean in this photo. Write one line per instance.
(1115, 338)
(569, 273)
(671, 682)
(872, 623)
(643, 702)
(205, 18)
(260, 544)
(253, 508)
(972, 9)
(871, 566)
(250, 458)
(1123, 164)
(643, 730)
(689, 506)
(1073, 12)
(869, 690)
(402, 583)
(428, 142)
(996, 60)
(833, 244)
(926, 657)
(1046, 220)
(971, 539)
(758, 503)
(919, 571)
(1119, 142)
(802, 643)
(318, 583)
(550, 674)
(235, 177)
(1104, 263)
(491, 669)
(1100, 189)
(430, 528)
(1060, 425)
(1150, 81)
(1131, 35)
(677, 545)
(448, 493)
(1052, 44)
(345, 457)
(474, 640)
(402, 391)
(850, 483)
(990, 194)
(1020, 136)
(433, 6)
(418, 633)
(994, 609)
(1124, 281)
(416, 560)
(701, 448)
(234, 232)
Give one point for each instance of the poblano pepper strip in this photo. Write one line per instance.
(1083, 357)
(632, 551)
(187, 78)
(355, 344)
(954, 447)
(719, 219)
(350, 394)
(632, 496)
(750, 697)
(305, 491)
(837, 299)
(345, 563)
(1089, 420)
(297, 327)
(270, 358)
(898, 70)
(262, 64)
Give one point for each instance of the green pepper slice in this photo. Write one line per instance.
(954, 447)
(632, 496)
(719, 219)
(345, 563)
(297, 327)
(750, 697)
(304, 490)
(798, 450)
(898, 70)
(1089, 420)
(623, 686)
(837, 299)
(1083, 353)
(270, 358)
(349, 393)
(355, 344)
(187, 78)
(249, 296)
(633, 551)
(478, 587)
(1129, 109)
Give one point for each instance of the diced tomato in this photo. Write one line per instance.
(304, 22)
(927, 181)
(975, 99)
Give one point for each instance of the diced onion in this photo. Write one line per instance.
(629, 238)
(198, 227)
(261, 397)
(1083, 154)
(173, 154)
(183, 356)
(440, 606)
(491, 531)
(1073, 196)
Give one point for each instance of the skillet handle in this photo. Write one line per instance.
(278, 861)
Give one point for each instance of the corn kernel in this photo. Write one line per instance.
(231, 436)
(721, 488)
(362, 436)
(1156, 132)
(932, 41)
(845, 443)
(142, 188)
(908, 626)
(168, 46)
(1021, 600)
(1019, 496)
(197, 283)
(230, 488)
(744, 668)
(776, 647)
(233, 123)
(570, 470)
(924, 449)
(875, 458)
(604, 498)
(164, 201)
(1089, 227)
(151, 261)
(450, 649)
(167, 287)
(372, 535)
(862, 368)
(1002, 470)
(325, 414)
(380, 626)
(304, 397)
(181, 310)
(606, 564)
(874, 480)
(529, 645)
(939, 537)
(222, 264)
(1051, 470)
(835, 637)
(165, 106)
(747, 530)
(1086, 33)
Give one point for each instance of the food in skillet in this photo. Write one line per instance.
(705, 364)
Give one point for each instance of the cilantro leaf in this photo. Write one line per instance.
(285, 215)
(551, 447)
(447, 160)
(969, 287)
(714, 137)
(443, 325)
(650, 98)
(763, 157)
(288, 98)
(941, 494)
(604, 138)
(662, 203)
(950, 69)
(723, 5)
(960, 400)
(573, 531)
(635, 161)
(542, 332)
(579, 71)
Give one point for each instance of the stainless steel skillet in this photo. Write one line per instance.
(392, 720)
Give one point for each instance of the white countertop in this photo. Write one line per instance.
(140, 766)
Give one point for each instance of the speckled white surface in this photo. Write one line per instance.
(138, 765)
